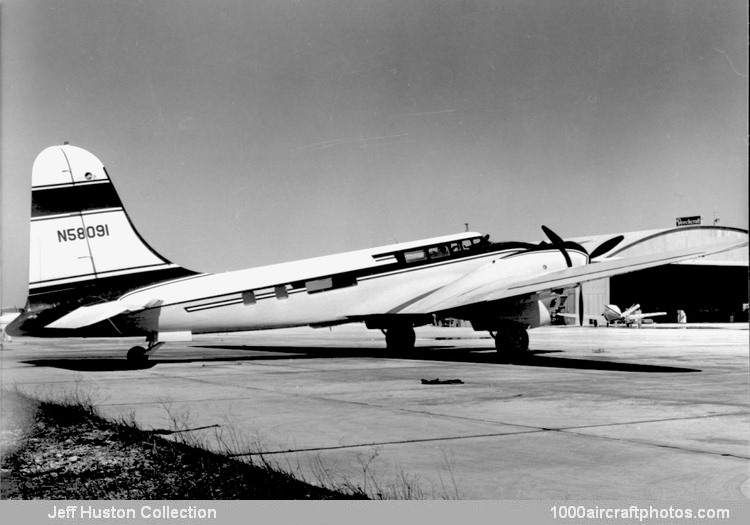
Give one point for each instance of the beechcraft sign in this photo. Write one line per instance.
(689, 221)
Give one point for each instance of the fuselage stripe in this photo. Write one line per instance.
(371, 273)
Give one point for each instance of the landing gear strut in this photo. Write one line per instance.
(400, 338)
(512, 341)
(139, 355)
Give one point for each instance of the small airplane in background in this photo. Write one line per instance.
(92, 275)
(5, 320)
(613, 314)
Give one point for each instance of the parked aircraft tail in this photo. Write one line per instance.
(81, 236)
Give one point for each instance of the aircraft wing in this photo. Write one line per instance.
(88, 315)
(487, 284)
(645, 316)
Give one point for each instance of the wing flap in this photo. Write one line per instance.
(489, 284)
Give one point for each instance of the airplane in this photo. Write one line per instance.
(613, 314)
(5, 320)
(91, 274)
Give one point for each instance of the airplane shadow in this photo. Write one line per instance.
(459, 355)
(538, 358)
(92, 364)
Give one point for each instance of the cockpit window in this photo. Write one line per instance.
(438, 252)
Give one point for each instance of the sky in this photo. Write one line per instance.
(241, 133)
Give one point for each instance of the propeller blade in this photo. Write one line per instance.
(606, 246)
(558, 243)
(580, 306)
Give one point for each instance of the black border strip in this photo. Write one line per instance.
(73, 199)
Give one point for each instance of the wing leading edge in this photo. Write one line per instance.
(488, 283)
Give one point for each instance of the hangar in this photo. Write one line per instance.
(711, 289)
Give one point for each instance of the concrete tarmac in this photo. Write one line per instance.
(596, 413)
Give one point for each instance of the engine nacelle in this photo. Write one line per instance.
(531, 314)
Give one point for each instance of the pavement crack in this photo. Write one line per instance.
(659, 420)
(657, 445)
(385, 443)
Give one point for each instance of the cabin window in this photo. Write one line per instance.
(319, 285)
(248, 298)
(438, 252)
(414, 256)
(281, 292)
(455, 247)
(343, 281)
(333, 282)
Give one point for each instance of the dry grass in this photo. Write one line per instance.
(69, 452)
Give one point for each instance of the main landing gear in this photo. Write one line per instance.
(139, 355)
(400, 337)
(511, 342)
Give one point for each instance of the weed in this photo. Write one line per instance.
(71, 452)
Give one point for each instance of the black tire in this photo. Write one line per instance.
(512, 343)
(137, 355)
(400, 338)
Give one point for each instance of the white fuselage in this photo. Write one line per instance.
(324, 290)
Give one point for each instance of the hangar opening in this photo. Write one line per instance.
(710, 289)
(706, 294)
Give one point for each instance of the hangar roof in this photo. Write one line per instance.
(649, 241)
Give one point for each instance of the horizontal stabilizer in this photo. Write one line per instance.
(88, 315)
(646, 316)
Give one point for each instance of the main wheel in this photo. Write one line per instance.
(137, 355)
(512, 342)
(400, 338)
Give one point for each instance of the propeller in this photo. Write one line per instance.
(558, 243)
(580, 305)
(600, 250)
(561, 245)
(606, 246)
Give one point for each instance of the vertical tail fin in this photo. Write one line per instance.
(80, 233)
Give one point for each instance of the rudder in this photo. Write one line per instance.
(80, 232)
